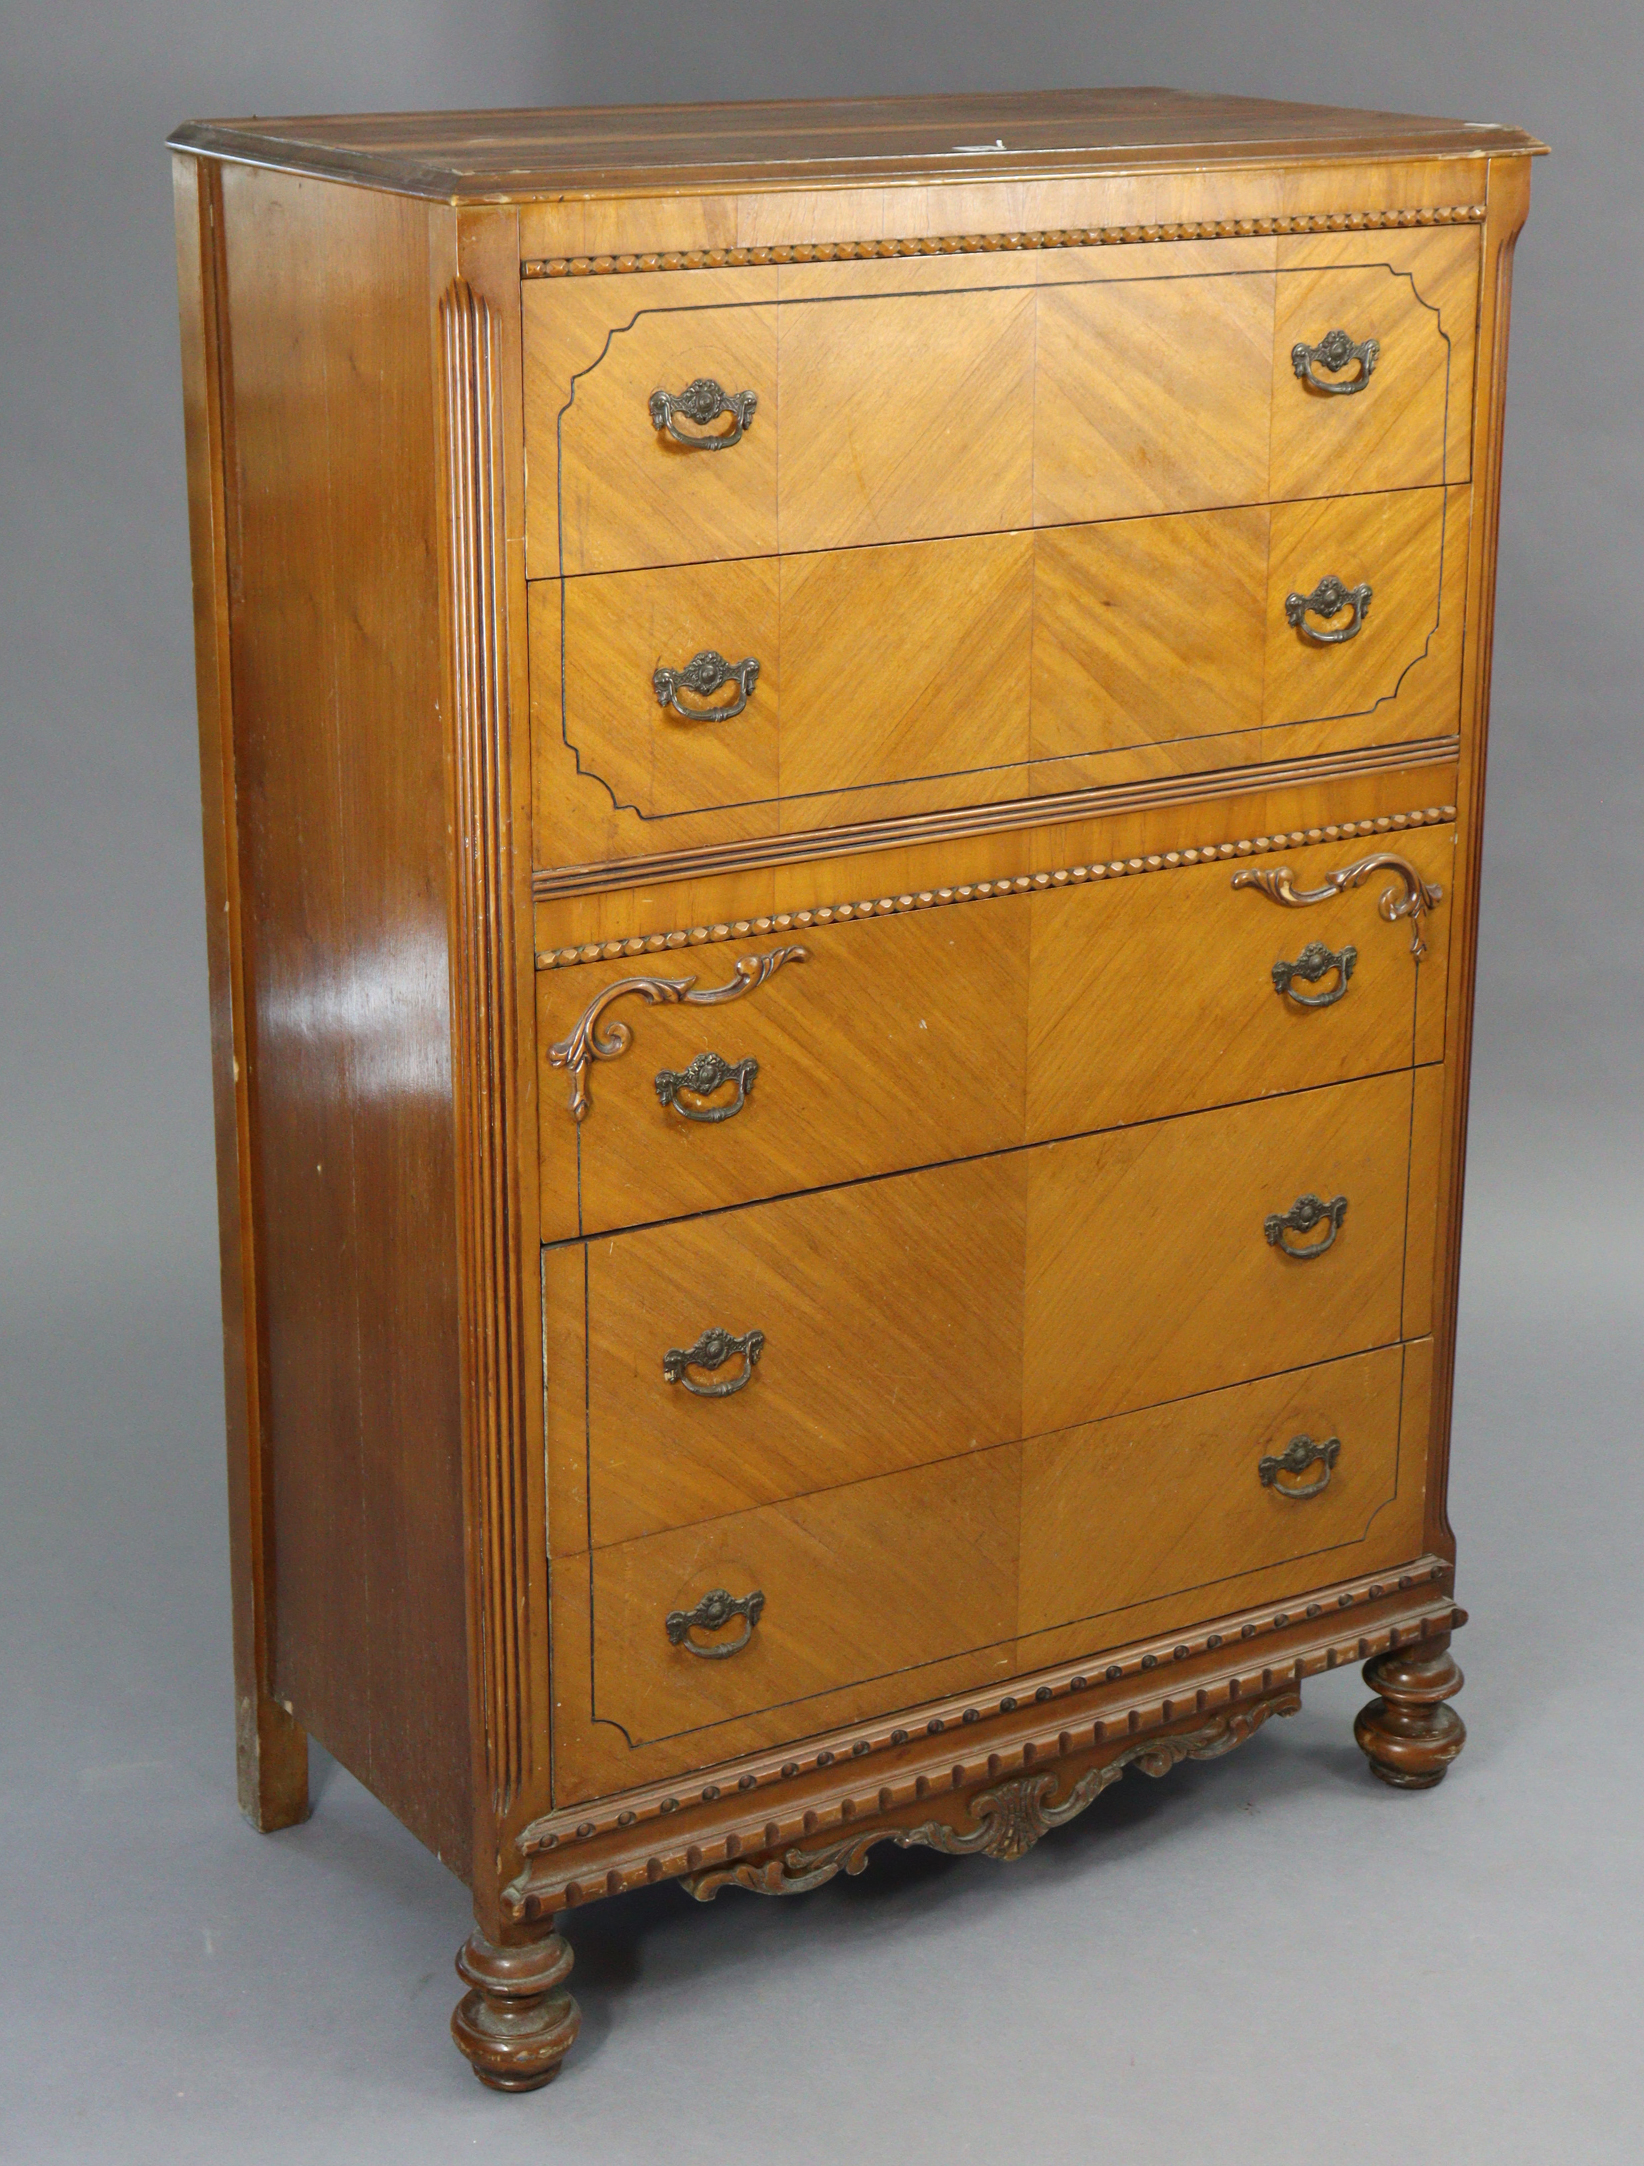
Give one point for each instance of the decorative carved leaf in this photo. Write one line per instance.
(1010, 1818)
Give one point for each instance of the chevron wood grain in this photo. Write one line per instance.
(1172, 1498)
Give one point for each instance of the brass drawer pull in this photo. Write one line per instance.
(1336, 351)
(715, 1610)
(1303, 1215)
(709, 1072)
(703, 401)
(704, 674)
(1298, 1455)
(1315, 961)
(1328, 599)
(1419, 895)
(715, 1347)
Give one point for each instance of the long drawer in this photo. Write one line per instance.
(794, 1346)
(994, 666)
(974, 1025)
(764, 1625)
(688, 417)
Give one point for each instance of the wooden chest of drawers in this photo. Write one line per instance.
(843, 759)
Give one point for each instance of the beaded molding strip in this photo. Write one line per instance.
(1147, 1665)
(609, 951)
(984, 244)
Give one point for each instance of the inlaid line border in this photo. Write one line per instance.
(984, 244)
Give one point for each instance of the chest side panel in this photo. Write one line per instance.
(334, 578)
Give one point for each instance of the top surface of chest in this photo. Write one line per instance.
(498, 157)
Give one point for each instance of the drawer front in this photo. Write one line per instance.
(1052, 389)
(973, 1026)
(862, 1583)
(849, 692)
(1179, 1497)
(1004, 663)
(1398, 666)
(798, 1345)
(770, 1624)
(1407, 424)
(605, 486)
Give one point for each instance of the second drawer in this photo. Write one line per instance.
(790, 1347)
(992, 666)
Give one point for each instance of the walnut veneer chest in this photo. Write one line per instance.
(843, 754)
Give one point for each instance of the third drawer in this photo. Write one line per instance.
(745, 1356)
(928, 1034)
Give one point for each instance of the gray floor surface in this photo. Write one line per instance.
(1270, 1958)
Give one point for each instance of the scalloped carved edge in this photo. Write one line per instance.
(579, 1853)
(1006, 1821)
(610, 951)
(986, 244)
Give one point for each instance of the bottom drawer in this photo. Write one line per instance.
(768, 1625)
(1181, 1497)
(856, 1585)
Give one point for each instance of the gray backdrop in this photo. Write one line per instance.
(1274, 1959)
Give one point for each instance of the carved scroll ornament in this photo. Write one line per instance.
(586, 1044)
(1010, 1818)
(1418, 898)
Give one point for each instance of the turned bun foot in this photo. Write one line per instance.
(1408, 1734)
(517, 2023)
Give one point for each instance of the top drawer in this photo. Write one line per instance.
(826, 406)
